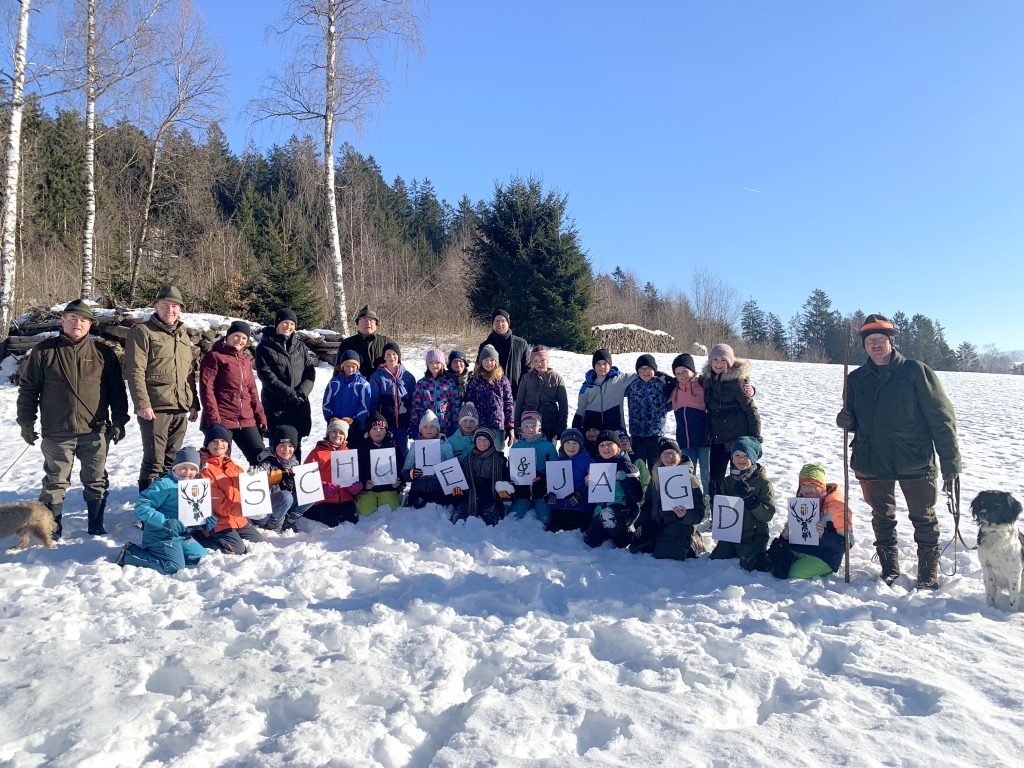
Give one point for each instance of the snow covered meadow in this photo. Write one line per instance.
(406, 641)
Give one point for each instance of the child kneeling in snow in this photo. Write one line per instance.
(748, 480)
(532, 496)
(231, 529)
(338, 506)
(374, 496)
(462, 441)
(669, 533)
(573, 513)
(486, 471)
(167, 545)
(790, 560)
(614, 520)
(426, 489)
(280, 468)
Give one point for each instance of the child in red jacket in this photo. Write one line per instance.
(338, 505)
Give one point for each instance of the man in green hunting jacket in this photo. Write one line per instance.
(75, 384)
(900, 418)
(160, 364)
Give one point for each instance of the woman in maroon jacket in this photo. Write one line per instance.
(227, 390)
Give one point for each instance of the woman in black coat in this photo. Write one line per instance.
(286, 369)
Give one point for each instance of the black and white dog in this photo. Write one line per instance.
(1000, 544)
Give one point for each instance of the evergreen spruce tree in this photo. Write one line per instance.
(753, 327)
(819, 328)
(776, 333)
(531, 264)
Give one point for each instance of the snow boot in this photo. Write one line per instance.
(96, 508)
(57, 510)
(928, 568)
(119, 560)
(889, 559)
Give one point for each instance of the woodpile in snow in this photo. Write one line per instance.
(623, 337)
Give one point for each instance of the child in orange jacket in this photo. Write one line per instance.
(338, 505)
(230, 529)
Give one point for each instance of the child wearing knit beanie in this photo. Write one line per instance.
(435, 392)
(729, 403)
(793, 560)
(748, 480)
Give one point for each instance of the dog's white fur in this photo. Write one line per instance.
(1000, 545)
(26, 518)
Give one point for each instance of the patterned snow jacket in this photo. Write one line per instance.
(437, 395)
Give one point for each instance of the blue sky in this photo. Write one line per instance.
(872, 149)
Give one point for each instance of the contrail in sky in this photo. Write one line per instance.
(751, 189)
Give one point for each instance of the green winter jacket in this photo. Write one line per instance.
(756, 515)
(675, 535)
(160, 364)
(93, 371)
(900, 418)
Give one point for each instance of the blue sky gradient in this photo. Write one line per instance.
(871, 149)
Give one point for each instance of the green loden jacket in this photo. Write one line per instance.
(160, 364)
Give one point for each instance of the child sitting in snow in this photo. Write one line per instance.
(347, 395)
(280, 468)
(670, 533)
(167, 545)
(792, 560)
(486, 471)
(426, 489)
(374, 496)
(573, 513)
(532, 496)
(462, 441)
(231, 529)
(748, 480)
(338, 505)
(614, 520)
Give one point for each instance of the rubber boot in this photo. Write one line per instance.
(96, 508)
(889, 559)
(928, 568)
(57, 510)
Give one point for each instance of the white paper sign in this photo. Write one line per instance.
(383, 466)
(559, 476)
(803, 521)
(522, 465)
(194, 504)
(255, 490)
(344, 467)
(674, 484)
(308, 487)
(727, 519)
(450, 475)
(427, 455)
(601, 483)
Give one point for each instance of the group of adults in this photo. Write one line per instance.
(895, 408)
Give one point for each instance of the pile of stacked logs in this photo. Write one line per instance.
(113, 330)
(623, 338)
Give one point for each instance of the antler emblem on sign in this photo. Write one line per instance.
(195, 501)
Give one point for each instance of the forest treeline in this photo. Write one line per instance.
(243, 234)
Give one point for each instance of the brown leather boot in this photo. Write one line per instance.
(928, 568)
(889, 559)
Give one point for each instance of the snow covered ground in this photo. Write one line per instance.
(406, 641)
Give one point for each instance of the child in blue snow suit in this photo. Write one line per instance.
(462, 441)
(167, 545)
(648, 407)
(572, 513)
(533, 496)
(426, 489)
(391, 390)
(347, 395)
(613, 521)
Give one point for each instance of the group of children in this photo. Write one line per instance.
(472, 417)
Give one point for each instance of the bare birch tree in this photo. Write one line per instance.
(184, 92)
(334, 73)
(9, 223)
(715, 305)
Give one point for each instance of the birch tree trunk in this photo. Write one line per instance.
(144, 227)
(88, 234)
(330, 71)
(10, 213)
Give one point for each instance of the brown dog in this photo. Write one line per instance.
(24, 518)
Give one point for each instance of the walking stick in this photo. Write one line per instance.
(847, 523)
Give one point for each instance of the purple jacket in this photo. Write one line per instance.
(493, 402)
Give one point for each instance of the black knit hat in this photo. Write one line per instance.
(457, 355)
(285, 433)
(393, 346)
(500, 313)
(239, 326)
(647, 360)
(684, 361)
(592, 420)
(668, 444)
(601, 354)
(609, 436)
(285, 314)
(216, 432)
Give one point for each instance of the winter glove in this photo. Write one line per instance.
(28, 434)
(574, 499)
(748, 389)
(456, 491)
(355, 488)
(414, 473)
(330, 489)
(608, 518)
(174, 526)
(210, 524)
(263, 430)
(505, 490)
(948, 481)
(844, 420)
(510, 435)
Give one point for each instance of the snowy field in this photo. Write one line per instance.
(406, 641)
